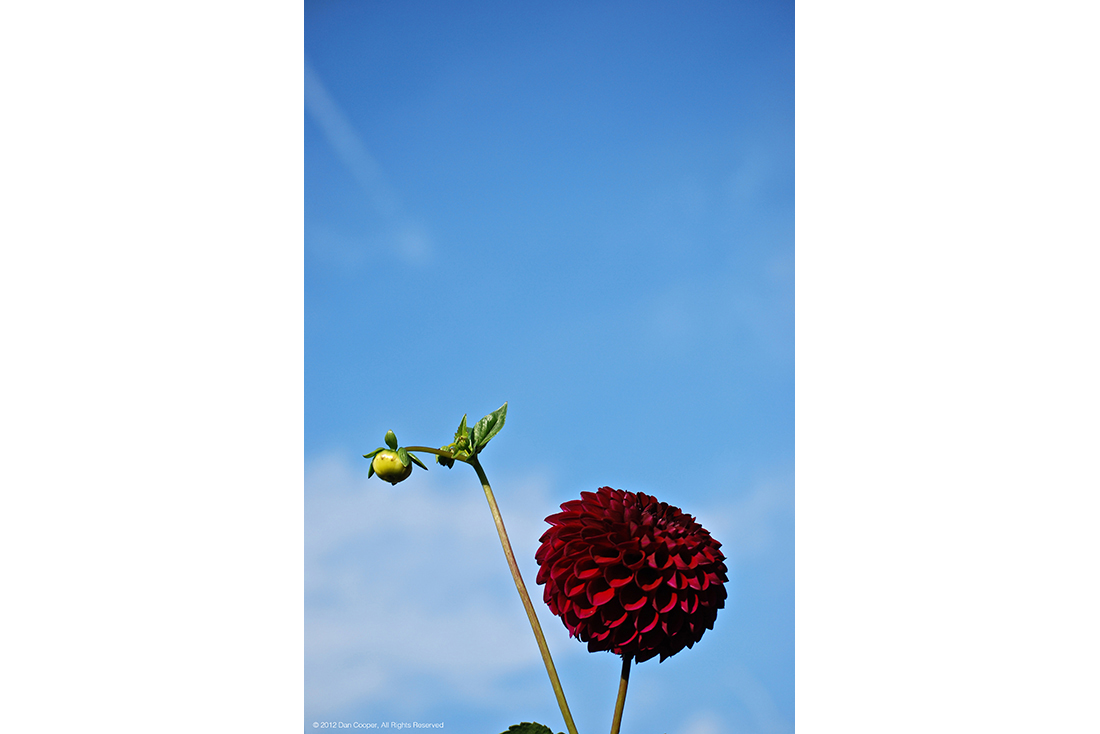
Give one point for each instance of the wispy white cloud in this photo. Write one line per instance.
(764, 715)
(748, 707)
(409, 603)
(412, 241)
(408, 584)
(688, 316)
(703, 723)
(347, 145)
(408, 239)
(753, 525)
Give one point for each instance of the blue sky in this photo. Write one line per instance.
(587, 211)
(153, 400)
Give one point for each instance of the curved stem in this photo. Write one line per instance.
(426, 450)
(514, 567)
(621, 700)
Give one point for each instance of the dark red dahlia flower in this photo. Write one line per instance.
(629, 574)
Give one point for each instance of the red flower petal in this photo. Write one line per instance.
(690, 604)
(584, 612)
(648, 579)
(586, 568)
(647, 619)
(624, 634)
(600, 592)
(617, 575)
(631, 597)
(633, 559)
(560, 569)
(573, 586)
(659, 558)
(613, 615)
(606, 554)
(664, 600)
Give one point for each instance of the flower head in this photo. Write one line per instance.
(631, 575)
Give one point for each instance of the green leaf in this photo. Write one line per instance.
(372, 454)
(462, 430)
(403, 455)
(391, 440)
(487, 427)
(370, 471)
(418, 462)
(528, 727)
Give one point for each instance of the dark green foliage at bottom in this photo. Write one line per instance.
(528, 727)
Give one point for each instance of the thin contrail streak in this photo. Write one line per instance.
(347, 145)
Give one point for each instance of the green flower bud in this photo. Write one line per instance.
(387, 465)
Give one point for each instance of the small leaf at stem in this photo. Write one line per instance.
(403, 455)
(391, 440)
(417, 461)
(487, 427)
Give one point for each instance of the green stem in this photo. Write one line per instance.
(426, 450)
(621, 700)
(514, 567)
